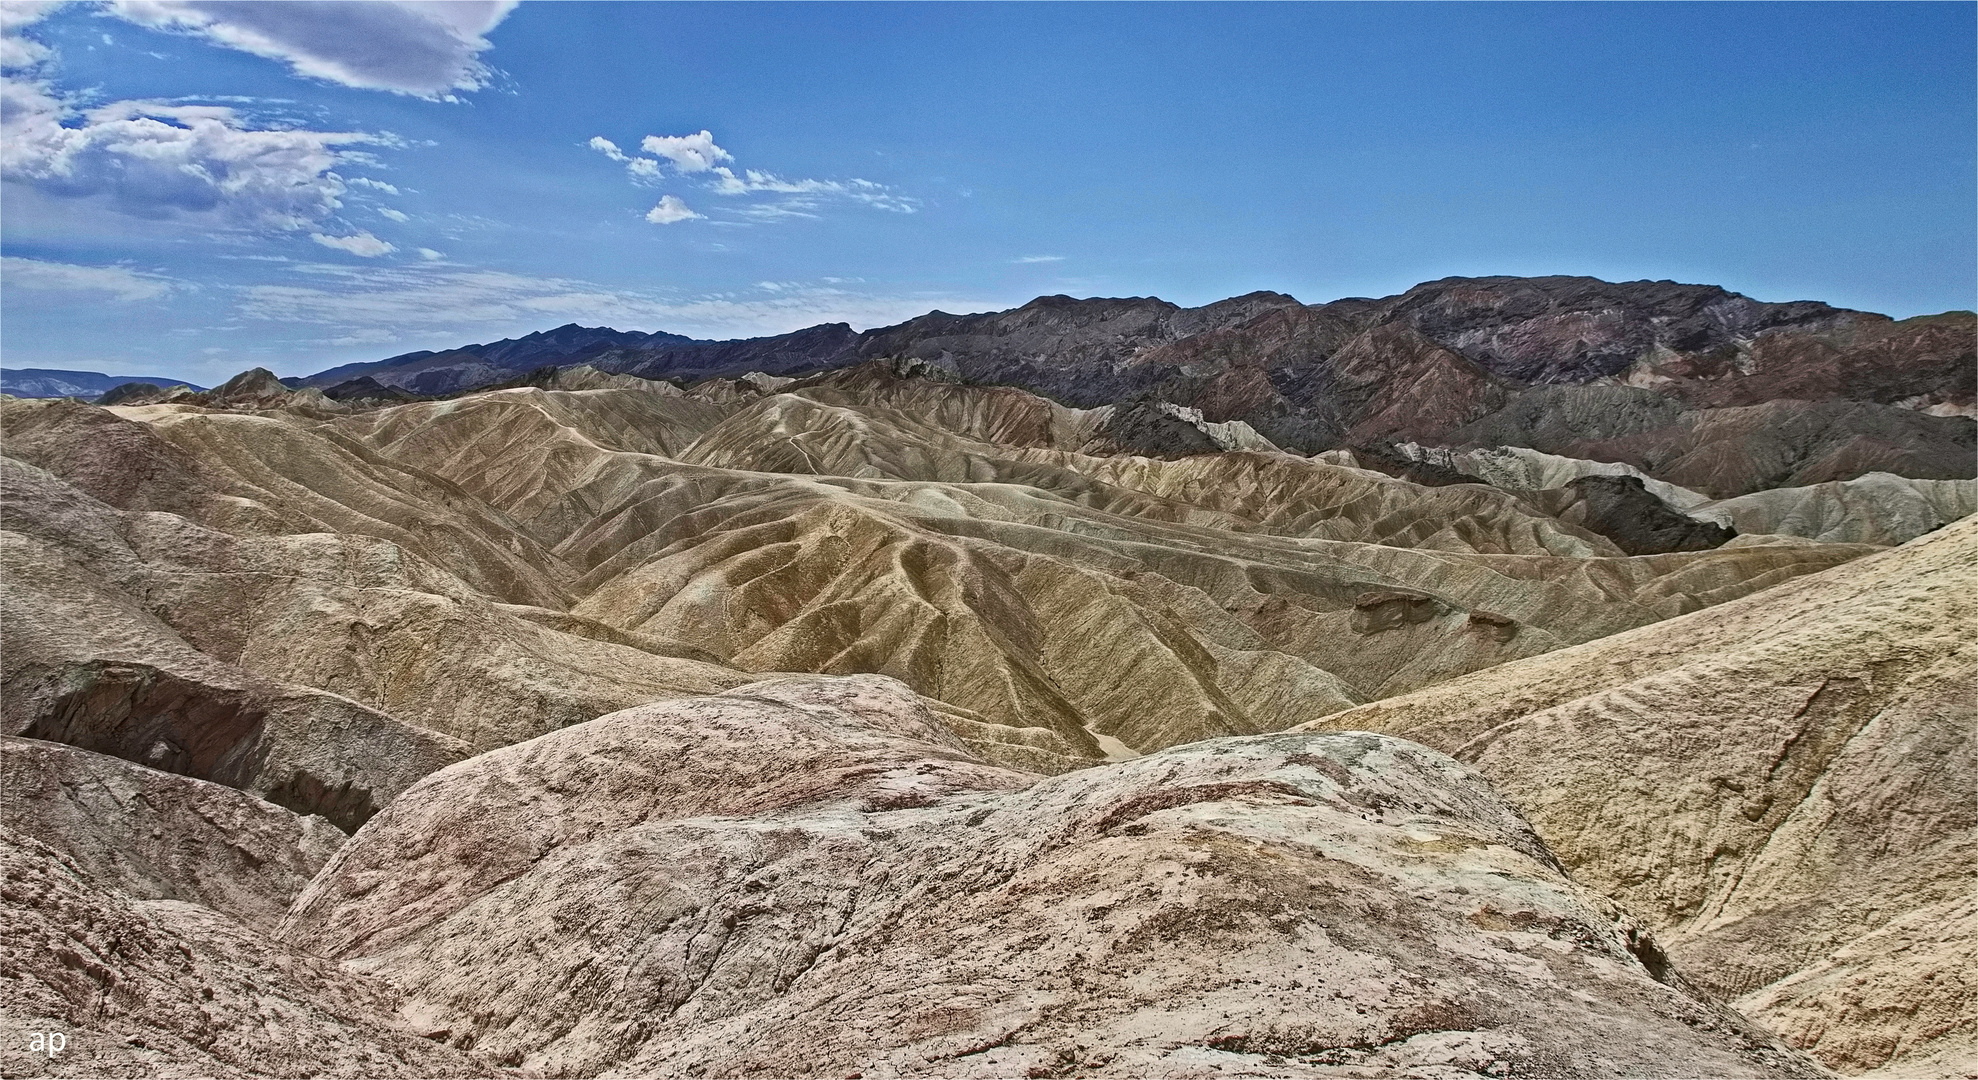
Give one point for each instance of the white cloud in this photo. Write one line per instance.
(424, 49)
(361, 244)
(776, 211)
(689, 153)
(668, 210)
(395, 215)
(16, 14)
(430, 255)
(608, 148)
(644, 170)
(426, 300)
(158, 160)
(1038, 259)
(692, 155)
(116, 282)
(810, 192)
(17, 52)
(375, 185)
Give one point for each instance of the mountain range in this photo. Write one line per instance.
(1689, 383)
(52, 382)
(1516, 677)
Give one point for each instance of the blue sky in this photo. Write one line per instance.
(194, 188)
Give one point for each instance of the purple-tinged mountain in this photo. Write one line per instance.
(1691, 383)
(473, 366)
(55, 382)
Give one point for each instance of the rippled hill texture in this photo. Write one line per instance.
(880, 721)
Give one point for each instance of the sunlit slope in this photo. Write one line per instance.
(809, 876)
(1785, 785)
(1065, 605)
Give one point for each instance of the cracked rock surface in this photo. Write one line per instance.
(808, 876)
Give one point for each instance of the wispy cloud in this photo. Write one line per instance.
(115, 282)
(362, 244)
(698, 156)
(1026, 259)
(421, 49)
(421, 301)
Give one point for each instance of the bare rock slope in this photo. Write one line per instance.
(810, 876)
(159, 836)
(868, 523)
(241, 624)
(134, 908)
(1784, 786)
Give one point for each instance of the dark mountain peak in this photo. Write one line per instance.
(1268, 296)
(1308, 375)
(364, 388)
(400, 359)
(254, 383)
(822, 331)
(132, 393)
(1066, 300)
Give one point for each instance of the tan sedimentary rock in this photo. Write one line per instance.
(352, 614)
(1062, 598)
(86, 664)
(808, 876)
(1901, 1000)
(322, 606)
(157, 836)
(165, 988)
(273, 474)
(1879, 508)
(493, 567)
(1785, 786)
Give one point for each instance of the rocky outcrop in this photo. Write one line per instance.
(1900, 1001)
(158, 836)
(1784, 787)
(1622, 509)
(1878, 508)
(172, 989)
(1518, 468)
(809, 876)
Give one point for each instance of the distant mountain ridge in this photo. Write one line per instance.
(1553, 330)
(1692, 384)
(564, 345)
(56, 382)
(1660, 375)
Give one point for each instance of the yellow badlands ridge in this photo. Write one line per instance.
(888, 725)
